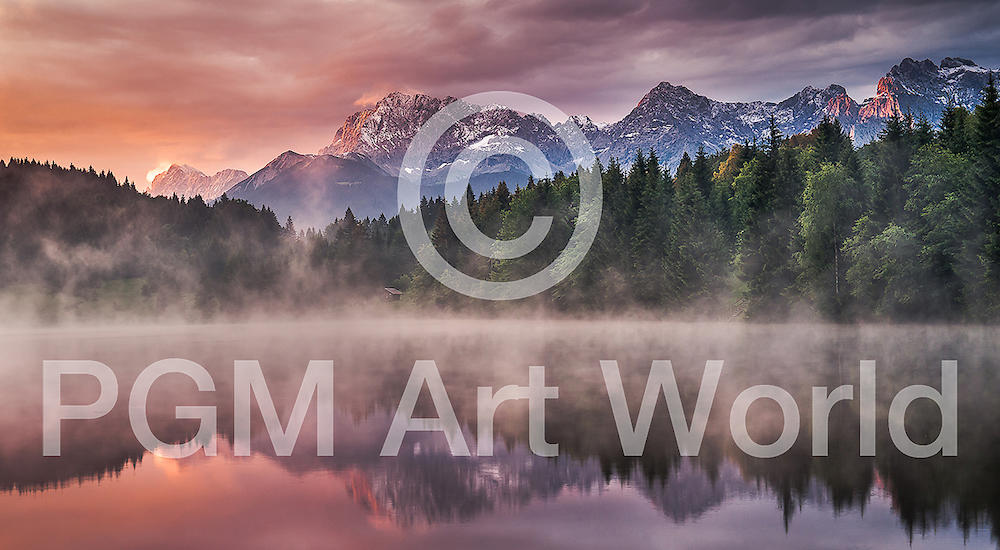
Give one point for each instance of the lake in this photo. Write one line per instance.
(106, 490)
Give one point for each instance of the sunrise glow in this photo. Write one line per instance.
(160, 168)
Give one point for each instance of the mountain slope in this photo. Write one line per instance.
(186, 181)
(316, 189)
(384, 131)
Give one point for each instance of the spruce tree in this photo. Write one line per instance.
(649, 237)
(941, 213)
(894, 151)
(954, 134)
(986, 155)
(696, 257)
(702, 173)
(829, 140)
(768, 194)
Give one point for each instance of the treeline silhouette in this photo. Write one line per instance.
(904, 228)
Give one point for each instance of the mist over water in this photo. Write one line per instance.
(106, 490)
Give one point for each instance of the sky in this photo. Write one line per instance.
(135, 86)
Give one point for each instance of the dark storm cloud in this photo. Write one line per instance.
(709, 10)
(129, 86)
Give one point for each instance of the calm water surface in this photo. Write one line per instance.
(107, 492)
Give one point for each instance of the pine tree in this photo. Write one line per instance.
(685, 165)
(349, 237)
(894, 151)
(954, 134)
(502, 195)
(696, 257)
(767, 197)
(649, 238)
(635, 183)
(986, 154)
(442, 236)
(774, 138)
(923, 132)
(616, 219)
(702, 174)
(829, 140)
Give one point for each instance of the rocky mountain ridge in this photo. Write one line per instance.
(670, 119)
(186, 181)
(358, 168)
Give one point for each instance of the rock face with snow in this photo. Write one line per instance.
(359, 168)
(316, 189)
(921, 89)
(924, 89)
(670, 120)
(185, 181)
(384, 131)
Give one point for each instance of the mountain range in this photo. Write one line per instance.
(185, 181)
(358, 168)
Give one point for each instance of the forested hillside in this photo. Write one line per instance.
(907, 227)
(77, 243)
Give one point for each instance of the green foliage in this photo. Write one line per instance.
(883, 275)
(98, 247)
(986, 155)
(767, 198)
(955, 129)
(649, 239)
(892, 156)
(833, 201)
(942, 209)
(696, 262)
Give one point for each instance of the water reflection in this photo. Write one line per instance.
(106, 492)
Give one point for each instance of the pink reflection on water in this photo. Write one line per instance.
(219, 502)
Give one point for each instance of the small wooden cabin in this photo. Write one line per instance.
(392, 294)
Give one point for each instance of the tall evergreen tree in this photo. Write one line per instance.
(767, 199)
(923, 132)
(833, 201)
(649, 237)
(702, 173)
(894, 150)
(830, 140)
(986, 154)
(942, 215)
(954, 134)
(696, 260)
